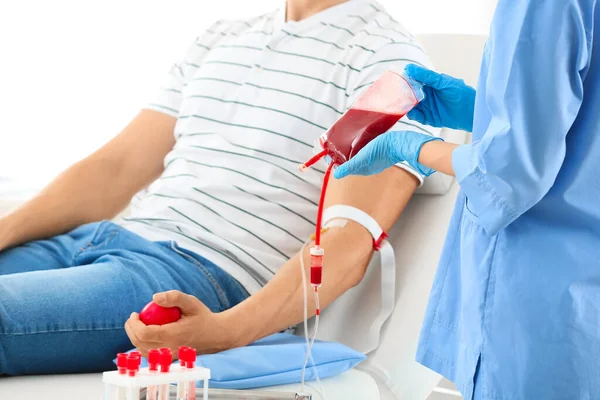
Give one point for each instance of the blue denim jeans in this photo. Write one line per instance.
(64, 301)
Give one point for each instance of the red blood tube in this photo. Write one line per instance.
(133, 364)
(316, 265)
(190, 361)
(153, 361)
(122, 363)
(166, 357)
(181, 385)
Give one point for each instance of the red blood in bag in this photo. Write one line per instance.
(153, 314)
(354, 130)
(387, 100)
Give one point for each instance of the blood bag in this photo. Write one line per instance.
(387, 100)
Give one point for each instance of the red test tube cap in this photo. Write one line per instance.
(153, 359)
(122, 363)
(133, 364)
(166, 357)
(181, 354)
(190, 357)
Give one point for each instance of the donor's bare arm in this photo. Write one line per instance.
(348, 251)
(97, 187)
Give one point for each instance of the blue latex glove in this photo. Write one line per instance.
(385, 151)
(449, 102)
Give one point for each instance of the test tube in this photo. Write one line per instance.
(133, 366)
(122, 363)
(122, 368)
(153, 361)
(181, 385)
(165, 364)
(190, 357)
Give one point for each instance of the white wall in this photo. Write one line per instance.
(72, 73)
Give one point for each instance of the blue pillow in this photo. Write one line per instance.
(275, 360)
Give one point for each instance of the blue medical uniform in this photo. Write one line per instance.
(514, 311)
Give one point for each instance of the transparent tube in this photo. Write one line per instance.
(108, 392)
(163, 392)
(153, 361)
(133, 393)
(165, 365)
(314, 336)
(122, 368)
(191, 388)
(151, 393)
(181, 385)
(308, 352)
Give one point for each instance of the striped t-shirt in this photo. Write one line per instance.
(251, 98)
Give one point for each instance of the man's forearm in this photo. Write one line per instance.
(97, 187)
(348, 251)
(279, 304)
(83, 193)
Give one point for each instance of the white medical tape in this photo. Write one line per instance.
(336, 223)
(388, 265)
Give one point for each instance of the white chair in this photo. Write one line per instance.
(390, 372)
(417, 239)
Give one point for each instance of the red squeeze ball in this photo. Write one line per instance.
(153, 314)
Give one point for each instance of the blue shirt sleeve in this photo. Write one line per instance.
(529, 94)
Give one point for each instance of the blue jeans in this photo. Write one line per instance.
(64, 301)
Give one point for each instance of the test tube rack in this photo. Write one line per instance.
(129, 379)
(145, 377)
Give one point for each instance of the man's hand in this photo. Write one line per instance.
(198, 327)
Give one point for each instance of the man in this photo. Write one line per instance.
(218, 153)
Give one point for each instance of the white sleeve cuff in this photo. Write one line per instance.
(404, 165)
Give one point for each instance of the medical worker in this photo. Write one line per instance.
(514, 311)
